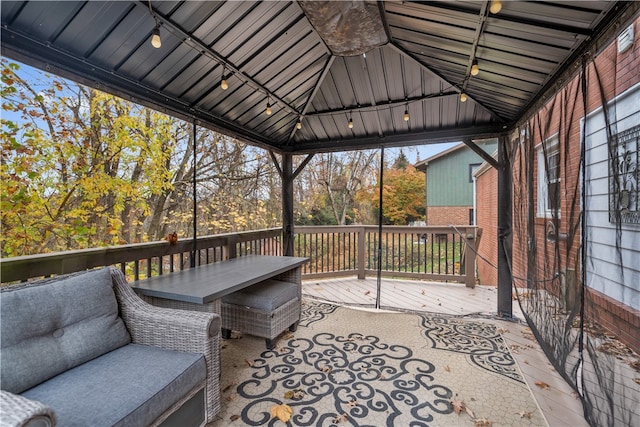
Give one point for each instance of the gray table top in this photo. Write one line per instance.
(209, 282)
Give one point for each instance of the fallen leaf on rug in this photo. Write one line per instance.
(283, 412)
(524, 414)
(447, 368)
(234, 417)
(483, 422)
(339, 418)
(469, 412)
(542, 385)
(297, 394)
(457, 405)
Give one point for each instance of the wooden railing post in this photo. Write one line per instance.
(361, 252)
(229, 250)
(470, 259)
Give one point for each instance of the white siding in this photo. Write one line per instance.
(613, 261)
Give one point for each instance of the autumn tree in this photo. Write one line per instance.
(326, 189)
(81, 168)
(403, 194)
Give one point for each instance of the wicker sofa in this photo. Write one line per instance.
(84, 349)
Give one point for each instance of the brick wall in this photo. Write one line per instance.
(487, 220)
(448, 215)
(608, 75)
(622, 320)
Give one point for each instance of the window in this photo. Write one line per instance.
(549, 178)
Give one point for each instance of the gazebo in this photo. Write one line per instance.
(305, 77)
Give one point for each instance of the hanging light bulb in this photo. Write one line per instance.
(268, 110)
(155, 38)
(406, 115)
(495, 7)
(475, 69)
(350, 123)
(223, 82)
(155, 34)
(463, 97)
(298, 124)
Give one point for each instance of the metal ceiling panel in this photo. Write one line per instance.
(269, 51)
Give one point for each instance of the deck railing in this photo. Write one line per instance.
(430, 253)
(143, 260)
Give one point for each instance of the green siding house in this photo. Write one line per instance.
(449, 178)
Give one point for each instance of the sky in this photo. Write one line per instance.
(421, 152)
(413, 153)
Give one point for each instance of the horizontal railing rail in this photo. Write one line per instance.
(145, 259)
(428, 253)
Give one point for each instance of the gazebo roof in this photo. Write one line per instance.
(322, 63)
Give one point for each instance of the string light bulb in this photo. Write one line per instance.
(298, 124)
(495, 7)
(223, 82)
(155, 34)
(475, 69)
(155, 38)
(350, 123)
(268, 110)
(406, 115)
(463, 97)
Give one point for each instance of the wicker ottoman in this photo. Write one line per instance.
(265, 309)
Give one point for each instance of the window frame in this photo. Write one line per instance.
(543, 203)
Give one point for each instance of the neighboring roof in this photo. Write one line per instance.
(444, 153)
(414, 56)
(485, 166)
(422, 165)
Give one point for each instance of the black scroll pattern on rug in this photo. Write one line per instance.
(314, 311)
(480, 341)
(357, 375)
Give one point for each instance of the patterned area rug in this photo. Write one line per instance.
(346, 366)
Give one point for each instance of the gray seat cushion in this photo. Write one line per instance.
(130, 386)
(55, 325)
(267, 295)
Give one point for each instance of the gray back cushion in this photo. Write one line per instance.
(51, 326)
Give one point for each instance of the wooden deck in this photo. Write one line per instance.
(558, 402)
(432, 297)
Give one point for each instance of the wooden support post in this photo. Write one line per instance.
(505, 277)
(361, 252)
(287, 204)
(470, 259)
(229, 250)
